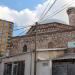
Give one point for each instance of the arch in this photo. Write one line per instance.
(25, 48)
(50, 45)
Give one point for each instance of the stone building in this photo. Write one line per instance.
(55, 48)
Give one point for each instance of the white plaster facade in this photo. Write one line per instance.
(24, 57)
(29, 64)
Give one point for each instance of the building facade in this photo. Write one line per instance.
(6, 29)
(53, 43)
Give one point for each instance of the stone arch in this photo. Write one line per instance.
(50, 45)
(25, 48)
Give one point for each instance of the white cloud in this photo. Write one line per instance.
(62, 16)
(21, 18)
(28, 17)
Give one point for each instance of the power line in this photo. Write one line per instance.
(25, 27)
(30, 25)
(48, 10)
(44, 11)
(57, 12)
(22, 27)
(40, 18)
(21, 33)
(40, 22)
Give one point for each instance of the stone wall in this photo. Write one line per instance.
(44, 41)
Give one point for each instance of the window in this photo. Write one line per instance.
(16, 68)
(7, 69)
(50, 45)
(25, 48)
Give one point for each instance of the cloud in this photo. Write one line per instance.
(62, 16)
(24, 17)
(29, 17)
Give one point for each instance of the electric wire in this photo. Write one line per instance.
(44, 10)
(21, 28)
(48, 10)
(29, 25)
(21, 33)
(44, 20)
(57, 12)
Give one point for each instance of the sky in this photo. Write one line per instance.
(26, 12)
(20, 4)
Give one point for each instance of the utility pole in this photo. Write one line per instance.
(35, 52)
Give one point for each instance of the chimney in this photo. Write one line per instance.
(71, 14)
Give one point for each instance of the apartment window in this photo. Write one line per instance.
(16, 68)
(25, 48)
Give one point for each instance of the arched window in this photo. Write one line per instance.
(50, 45)
(25, 48)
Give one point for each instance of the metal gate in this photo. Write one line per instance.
(63, 68)
(71, 69)
(59, 69)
